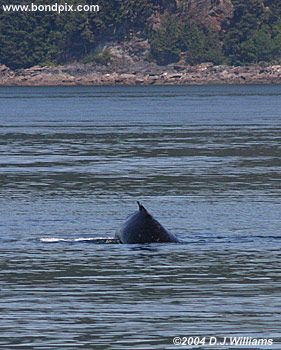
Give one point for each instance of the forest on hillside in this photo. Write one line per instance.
(252, 34)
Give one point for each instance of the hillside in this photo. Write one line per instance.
(231, 32)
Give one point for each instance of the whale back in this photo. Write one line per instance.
(141, 227)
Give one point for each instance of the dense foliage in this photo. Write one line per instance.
(253, 35)
(196, 44)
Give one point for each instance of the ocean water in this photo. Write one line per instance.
(204, 160)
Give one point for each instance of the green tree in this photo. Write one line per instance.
(248, 18)
(165, 42)
(201, 45)
(260, 47)
(23, 39)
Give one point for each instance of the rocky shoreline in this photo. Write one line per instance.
(177, 74)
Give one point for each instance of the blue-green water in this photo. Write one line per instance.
(206, 161)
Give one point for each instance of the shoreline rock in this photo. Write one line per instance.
(148, 74)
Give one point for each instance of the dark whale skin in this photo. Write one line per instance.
(141, 227)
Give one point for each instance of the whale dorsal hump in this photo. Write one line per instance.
(141, 207)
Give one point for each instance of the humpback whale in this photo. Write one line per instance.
(141, 227)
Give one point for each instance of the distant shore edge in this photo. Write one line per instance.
(86, 75)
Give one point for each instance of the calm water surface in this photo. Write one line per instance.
(206, 161)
